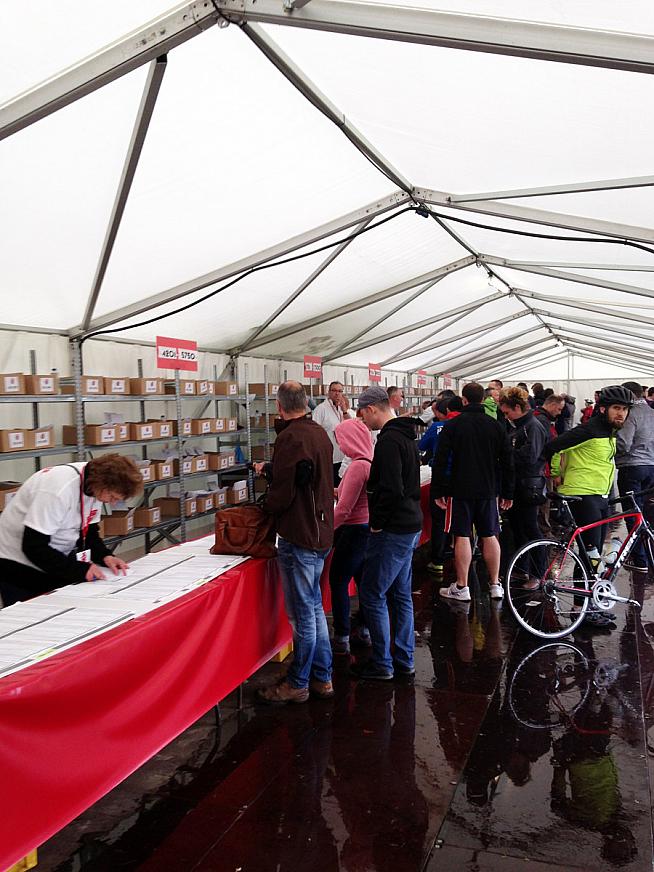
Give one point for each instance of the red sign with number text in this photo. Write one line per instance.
(374, 372)
(422, 378)
(447, 380)
(177, 354)
(312, 366)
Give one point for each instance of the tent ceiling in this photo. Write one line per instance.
(237, 164)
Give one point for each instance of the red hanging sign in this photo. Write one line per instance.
(312, 366)
(374, 372)
(422, 378)
(177, 354)
(447, 380)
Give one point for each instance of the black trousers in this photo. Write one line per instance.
(19, 582)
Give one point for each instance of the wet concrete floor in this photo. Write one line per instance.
(498, 756)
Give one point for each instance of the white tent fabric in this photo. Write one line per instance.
(236, 166)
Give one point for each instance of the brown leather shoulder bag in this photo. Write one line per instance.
(245, 530)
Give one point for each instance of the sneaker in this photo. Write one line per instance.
(403, 671)
(436, 568)
(369, 671)
(321, 689)
(456, 593)
(341, 646)
(360, 640)
(496, 591)
(282, 693)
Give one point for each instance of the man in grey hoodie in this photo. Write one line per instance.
(634, 457)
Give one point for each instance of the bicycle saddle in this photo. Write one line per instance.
(561, 497)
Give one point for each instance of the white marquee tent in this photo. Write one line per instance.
(441, 190)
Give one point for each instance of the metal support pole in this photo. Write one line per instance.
(248, 432)
(76, 351)
(35, 407)
(267, 410)
(180, 465)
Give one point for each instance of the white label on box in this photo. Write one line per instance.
(232, 424)
(220, 425)
(233, 390)
(193, 507)
(224, 461)
(231, 460)
(156, 515)
(123, 431)
(220, 499)
(273, 390)
(108, 434)
(187, 467)
(12, 384)
(46, 385)
(42, 438)
(205, 426)
(201, 464)
(186, 428)
(93, 386)
(151, 386)
(203, 387)
(146, 472)
(165, 430)
(147, 432)
(16, 440)
(242, 495)
(166, 470)
(118, 385)
(189, 387)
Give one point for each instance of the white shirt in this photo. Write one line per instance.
(49, 502)
(329, 417)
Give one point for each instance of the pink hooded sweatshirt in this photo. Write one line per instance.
(355, 440)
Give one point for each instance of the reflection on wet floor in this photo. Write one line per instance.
(500, 751)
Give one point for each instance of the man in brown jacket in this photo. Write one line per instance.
(301, 498)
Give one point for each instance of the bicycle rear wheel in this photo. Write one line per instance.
(545, 582)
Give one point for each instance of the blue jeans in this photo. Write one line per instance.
(386, 582)
(347, 562)
(300, 570)
(636, 478)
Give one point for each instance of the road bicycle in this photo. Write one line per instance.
(550, 584)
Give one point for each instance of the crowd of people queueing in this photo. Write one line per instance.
(493, 451)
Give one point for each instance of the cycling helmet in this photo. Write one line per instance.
(616, 395)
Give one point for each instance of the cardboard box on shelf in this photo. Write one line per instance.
(220, 460)
(231, 425)
(42, 385)
(205, 502)
(220, 497)
(146, 470)
(163, 469)
(259, 452)
(117, 386)
(170, 506)
(145, 386)
(119, 523)
(260, 389)
(147, 516)
(237, 493)
(94, 434)
(205, 388)
(186, 387)
(186, 427)
(122, 432)
(161, 429)
(226, 389)
(91, 385)
(260, 421)
(12, 383)
(202, 426)
(43, 437)
(219, 425)
(139, 431)
(201, 463)
(8, 490)
(187, 466)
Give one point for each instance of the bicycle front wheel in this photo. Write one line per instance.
(545, 586)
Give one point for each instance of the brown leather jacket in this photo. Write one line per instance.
(301, 495)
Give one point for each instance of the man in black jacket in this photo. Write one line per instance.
(395, 522)
(473, 464)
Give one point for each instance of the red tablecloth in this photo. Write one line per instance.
(74, 726)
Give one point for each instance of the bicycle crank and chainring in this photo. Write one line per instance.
(604, 594)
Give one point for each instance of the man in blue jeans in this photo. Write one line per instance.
(301, 499)
(395, 524)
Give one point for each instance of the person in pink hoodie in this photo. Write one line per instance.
(350, 528)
